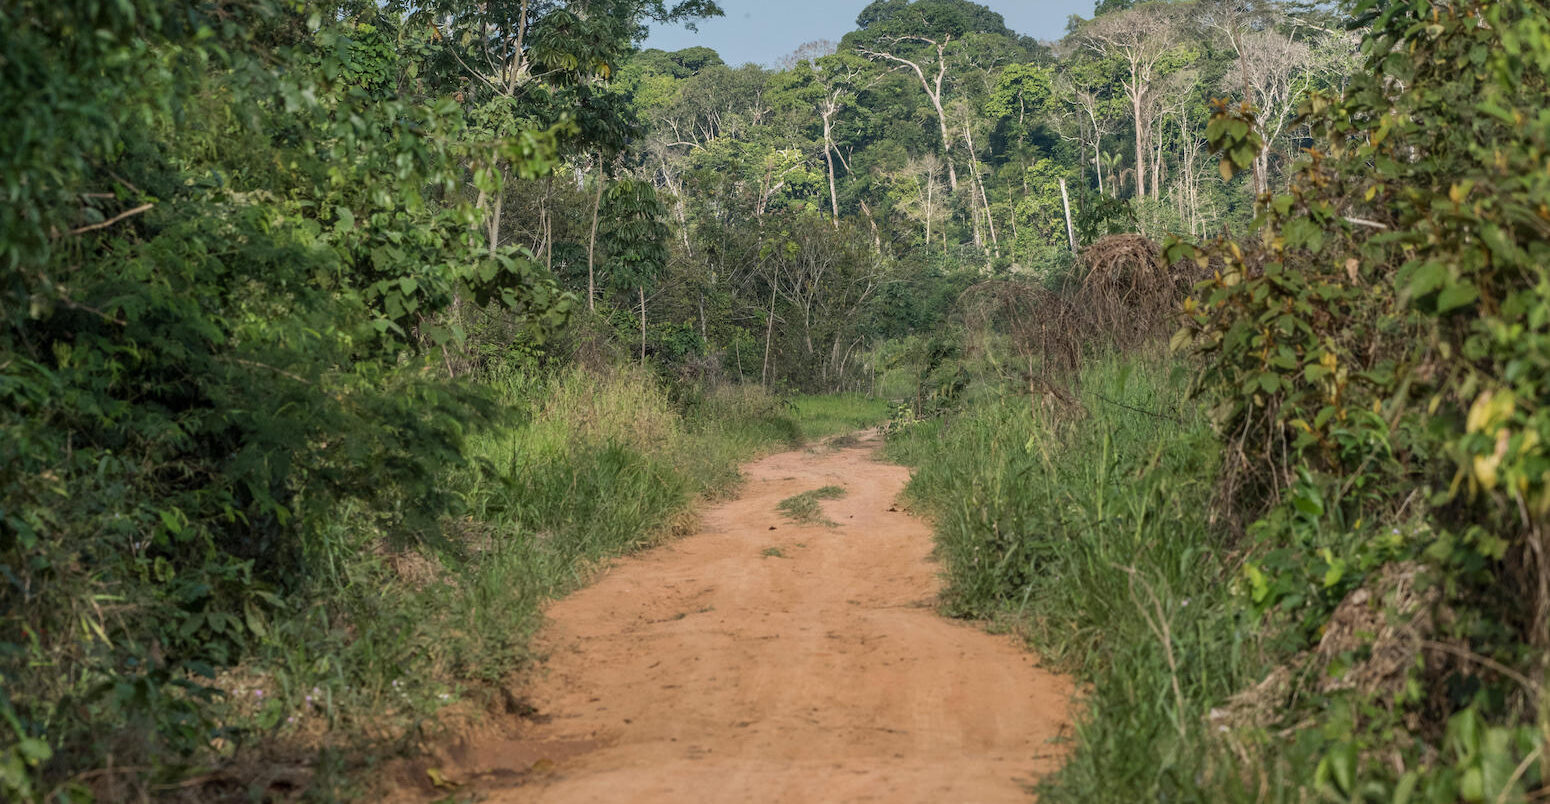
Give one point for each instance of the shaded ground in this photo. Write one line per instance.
(769, 661)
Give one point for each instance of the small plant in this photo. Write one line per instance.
(773, 552)
(804, 509)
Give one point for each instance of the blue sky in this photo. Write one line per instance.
(762, 31)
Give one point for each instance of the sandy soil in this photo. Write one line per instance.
(713, 669)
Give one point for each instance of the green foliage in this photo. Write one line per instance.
(635, 236)
(1091, 536)
(1375, 356)
(234, 249)
(837, 414)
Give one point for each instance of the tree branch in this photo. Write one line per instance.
(110, 221)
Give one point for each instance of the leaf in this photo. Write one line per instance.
(1307, 504)
(255, 620)
(346, 222)
(34, 751)
(1426, 278)
(1342, 763)
(1180, 340)
(1472, 785)
(1405, 788)
(1455, 296)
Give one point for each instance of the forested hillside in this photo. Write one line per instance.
(337, 336)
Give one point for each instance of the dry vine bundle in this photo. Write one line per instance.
(1041, 323)
(1129, 294)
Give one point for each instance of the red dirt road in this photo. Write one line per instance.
(707, 670)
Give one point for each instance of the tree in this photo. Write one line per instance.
(1278, 62)
(635, 241)
(1145, 40)
(930, 70)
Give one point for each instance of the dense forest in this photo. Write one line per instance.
(337, 336)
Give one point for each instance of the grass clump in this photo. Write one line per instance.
(1091, 537)
(804, 509)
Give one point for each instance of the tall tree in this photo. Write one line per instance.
(1145, 40)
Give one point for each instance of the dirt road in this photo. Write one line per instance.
(760, 660)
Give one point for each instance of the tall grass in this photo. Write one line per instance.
(1090, 535)
(581, 466)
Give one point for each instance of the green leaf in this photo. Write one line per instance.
(34, 751)
(1426, 278)
(1455, 296)
(255, 620)
(1308, 504)
(1342, 763)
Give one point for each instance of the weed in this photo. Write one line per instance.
(773, 552)
(804, 509)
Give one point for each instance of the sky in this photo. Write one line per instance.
(762, 31)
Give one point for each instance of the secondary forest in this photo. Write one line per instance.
(337, 336)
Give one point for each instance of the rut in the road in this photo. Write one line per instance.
(763, 660)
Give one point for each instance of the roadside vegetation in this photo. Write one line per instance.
(1301, 557)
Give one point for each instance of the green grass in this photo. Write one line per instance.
(804, 509)
(1090, 537)
(835, 414)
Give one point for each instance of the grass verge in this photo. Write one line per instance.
(1090, 536)
(834, 414)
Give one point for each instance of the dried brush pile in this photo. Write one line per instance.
(1128, 294)
(1123, 297)
(1040, 322)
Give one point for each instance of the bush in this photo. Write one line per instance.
(1377, 357)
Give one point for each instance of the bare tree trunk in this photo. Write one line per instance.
(495, 220)
(877, 236)
(1098, 160)
(1157, 163)
(1065, 199)
(1135, 106)
(930, 184)
(548, 233)
(642, 289)
(769, 336)
(990, 221)
(828, 155)
(597, 205)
